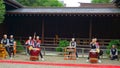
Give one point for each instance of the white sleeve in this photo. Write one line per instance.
(75, 44)
(110, 52)
(8, 42)
(70, 43)
(38, 44)
(116, 52)
(2, 41)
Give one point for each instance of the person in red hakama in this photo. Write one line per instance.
(37, 43)
(29, 43)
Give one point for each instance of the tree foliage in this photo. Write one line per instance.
(62, 43)
(113, 42)
(2, 11)
(101, 1)
(42, 3)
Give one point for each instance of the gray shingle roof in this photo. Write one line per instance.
(65, 10)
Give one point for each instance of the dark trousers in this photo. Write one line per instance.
(76, 54)
(8, 51)
(41, 55)
(11, 49)
(114, 57)
(27, 50)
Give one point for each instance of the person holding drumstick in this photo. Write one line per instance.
(74, 44)
(37, 43)
(11, 43)
(29, 43)
(5, 42)
(95, 46)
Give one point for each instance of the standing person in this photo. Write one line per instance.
(5, 42)
(29, 43)
(11, 43)
(94, 45)
(73, 44)
(113, 53)
(37, 44)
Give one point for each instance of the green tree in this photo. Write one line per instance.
(2, 11)
(113, 42)
(101, 1)
(41, 3)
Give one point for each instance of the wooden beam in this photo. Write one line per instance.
(42, 30)
(90, 29)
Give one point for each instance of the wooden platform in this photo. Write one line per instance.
(69, 53)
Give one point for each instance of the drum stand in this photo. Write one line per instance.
(34, 58)
(70, 53)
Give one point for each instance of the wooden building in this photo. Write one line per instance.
(66, 22)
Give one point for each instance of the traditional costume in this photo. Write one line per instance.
(29, 43)
(5, 43)
(73, 44)
(35, 50)
(114, 53)
(37, 45)
(11, 48)
(94, 53)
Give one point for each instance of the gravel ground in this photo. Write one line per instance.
(2, 65)
(53, 59)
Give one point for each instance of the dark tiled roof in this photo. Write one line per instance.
(98, 5)
(65, 10)
(13, 3)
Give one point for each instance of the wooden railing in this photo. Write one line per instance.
(80, 41)
(82, 52)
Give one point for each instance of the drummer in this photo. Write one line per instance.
(73, 44)
(95, 47)
(94, 44)
(5, 42)
(37, 43)
(11, 43)
(28, 43)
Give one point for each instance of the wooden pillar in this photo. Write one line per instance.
(42, 30)
(90, 29)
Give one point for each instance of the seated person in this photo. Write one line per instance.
(113, 53)
(11, 47)
(5, 42)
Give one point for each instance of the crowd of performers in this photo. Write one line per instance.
(96, 51)
(35, 42)
(8, 43)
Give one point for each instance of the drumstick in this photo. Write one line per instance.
(34, 35)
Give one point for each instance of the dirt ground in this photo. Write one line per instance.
(53, 59)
